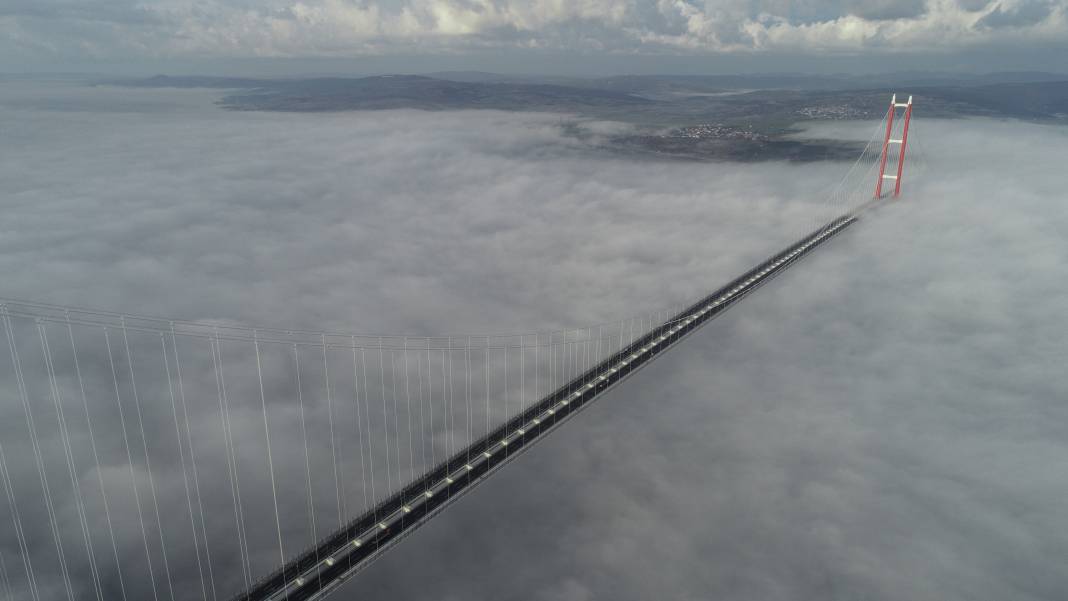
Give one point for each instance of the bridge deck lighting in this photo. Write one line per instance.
(442, 487)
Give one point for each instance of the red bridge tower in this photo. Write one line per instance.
(899, 142)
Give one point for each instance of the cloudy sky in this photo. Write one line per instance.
(598, 36)
(884, 421)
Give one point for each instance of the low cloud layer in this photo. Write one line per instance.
(881, 421)
(158, 202)
(162, 190)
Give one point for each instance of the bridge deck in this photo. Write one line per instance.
(339, 556)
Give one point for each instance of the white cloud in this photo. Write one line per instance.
(155, 201)
(944, 25)
(284, 28)
(884, 420)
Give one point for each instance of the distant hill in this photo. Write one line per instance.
(735, 117)
(761, 81)
(1045, 100)
(666, 100)
(193, 81)
(397, 91)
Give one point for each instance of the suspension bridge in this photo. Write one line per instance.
(154, 458)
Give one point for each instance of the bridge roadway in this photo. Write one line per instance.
(336, 558)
